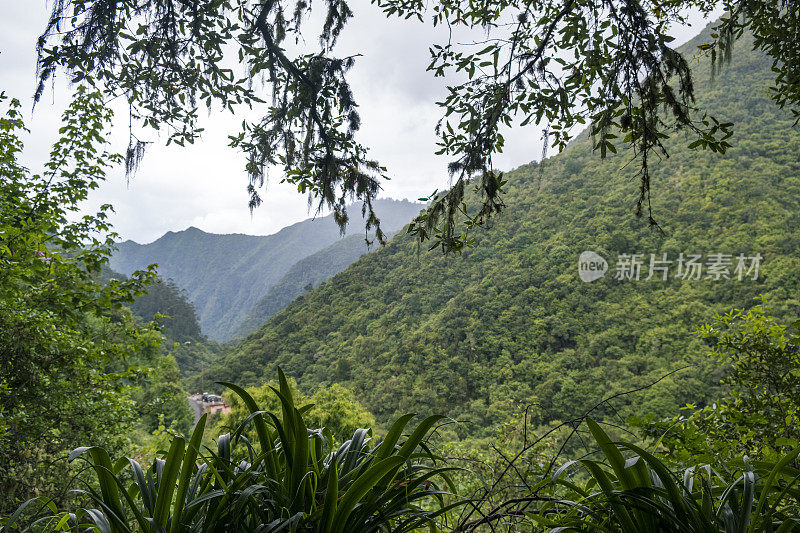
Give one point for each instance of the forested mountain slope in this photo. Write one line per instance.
(167, 305)
(169, 308)
(306, 273)
(225, 275)
(509, 323)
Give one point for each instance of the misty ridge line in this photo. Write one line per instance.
(225, 275)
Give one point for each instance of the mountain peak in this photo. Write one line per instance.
(226, 274)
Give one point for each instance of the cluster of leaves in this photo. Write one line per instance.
(724, 469)
(271, 473)
(165, 57)
(608, 64)
(76, 364)
(334, 408)
(760, 417)
(159, 395)
(509, 324)
(729, 467)
(177, 355)
(775, 27)
(302, 484)
(171, 352)
(631, 490)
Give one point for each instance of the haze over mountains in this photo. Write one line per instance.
(224, 276)
(510, 325)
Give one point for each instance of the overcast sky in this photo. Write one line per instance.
(205, 186)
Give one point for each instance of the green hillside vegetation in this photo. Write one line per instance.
(75, 365)
(336, 409)
(545, 378)
(225, 275)
(305, 274)
(509, 324)
(167, 305)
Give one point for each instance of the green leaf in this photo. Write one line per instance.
(387, 446)
(331, 497)
(186, 472)
(262, 430)
(166, 486)
(360, 487)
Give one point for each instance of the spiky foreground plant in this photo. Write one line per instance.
(638, 493)
(286, 479)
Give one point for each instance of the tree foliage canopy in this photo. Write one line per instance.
(560, 64)
(63, 336)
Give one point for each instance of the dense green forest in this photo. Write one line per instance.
(167, 304)
(508, 323)
(224, 276)
(165, 307)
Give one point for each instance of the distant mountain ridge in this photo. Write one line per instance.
(224, 276)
